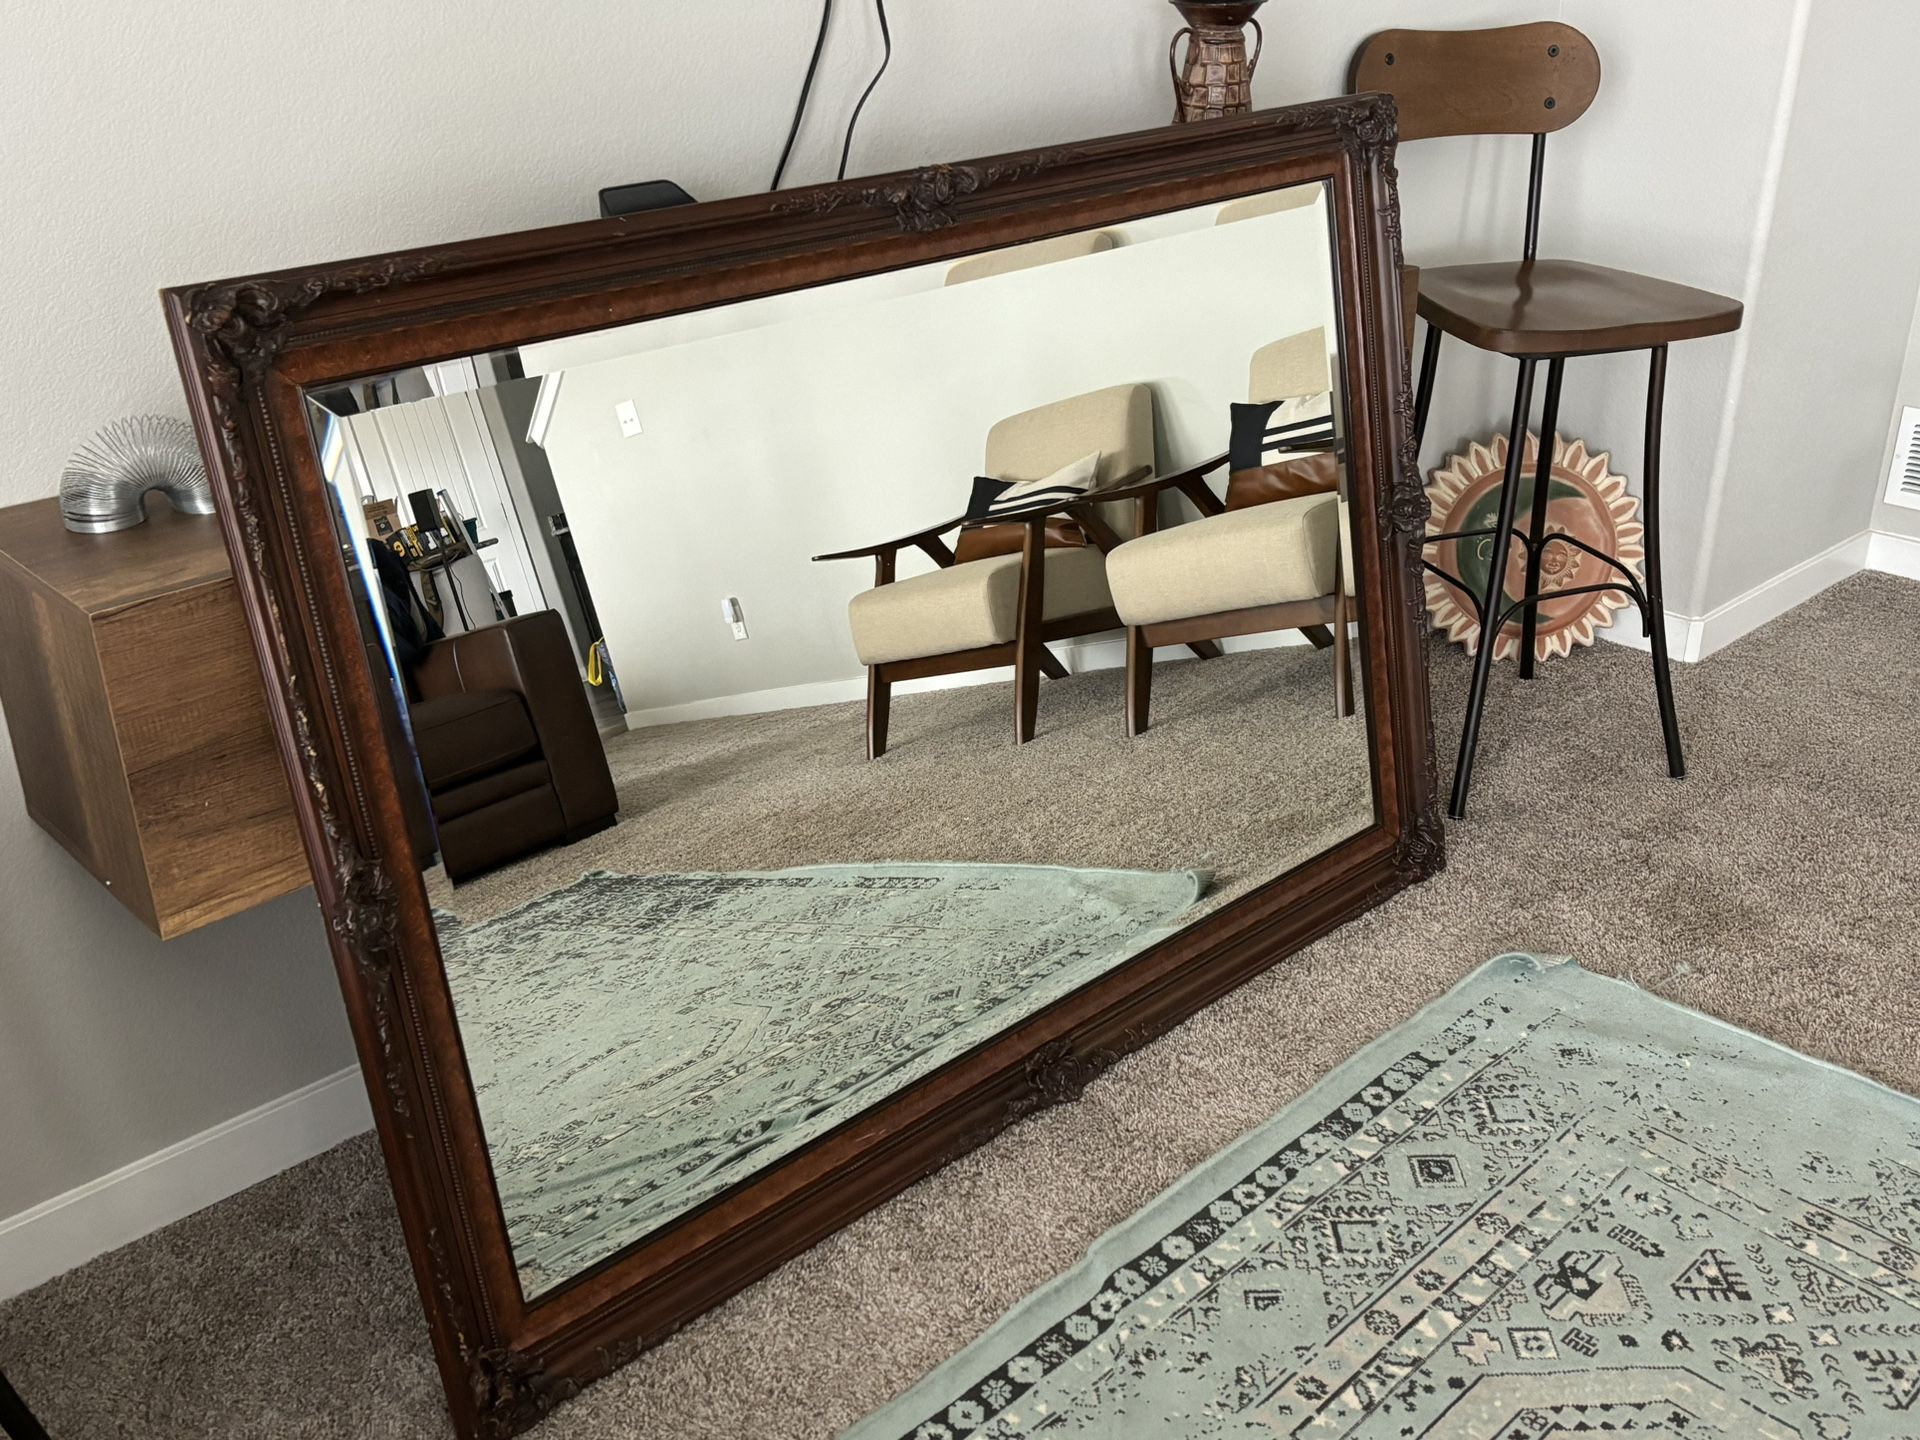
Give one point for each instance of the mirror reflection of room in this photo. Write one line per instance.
(731, 651)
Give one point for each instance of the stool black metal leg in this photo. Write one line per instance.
(1656, 605)
(16, 1420)
(1537, 528)
(1423, 390)
(1490, 610)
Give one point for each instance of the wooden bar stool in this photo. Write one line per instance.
(1533, 80)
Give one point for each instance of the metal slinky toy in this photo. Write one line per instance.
(107, 480)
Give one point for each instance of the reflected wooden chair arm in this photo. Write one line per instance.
(1192, 481)
(1027, 650)
(1147, 489)
(1140, 485)
(928, 540)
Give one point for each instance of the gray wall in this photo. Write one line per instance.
(138, 155)
(779, 441)
(1828, 322)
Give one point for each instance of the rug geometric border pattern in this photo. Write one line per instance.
(1551, 1205)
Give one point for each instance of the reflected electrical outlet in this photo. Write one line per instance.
(735, 617)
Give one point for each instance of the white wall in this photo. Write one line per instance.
(853, 422)
(162, 143)
(1829, 319)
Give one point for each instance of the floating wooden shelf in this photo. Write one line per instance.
(137, 715)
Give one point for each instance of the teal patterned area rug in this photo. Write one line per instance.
(1549, 1206)
(638, 1043)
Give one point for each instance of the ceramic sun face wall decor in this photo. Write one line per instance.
(1585, 501)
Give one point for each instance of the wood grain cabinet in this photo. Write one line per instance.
(137, 716)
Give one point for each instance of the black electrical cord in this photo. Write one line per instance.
(806, 89)
(886, 36)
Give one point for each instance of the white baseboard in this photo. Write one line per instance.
(1894, 554)
(1079, 656)
(1683, 634)
(1692, 638)
(1773, 598)
(102, 1215)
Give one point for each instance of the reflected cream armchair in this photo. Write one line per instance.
(1266, 564)
(1008, 588)
(1011, 258)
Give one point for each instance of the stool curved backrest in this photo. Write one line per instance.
(1513, 80)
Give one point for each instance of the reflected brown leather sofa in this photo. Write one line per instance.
(507, 744)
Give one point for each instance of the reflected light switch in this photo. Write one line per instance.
(628, 417)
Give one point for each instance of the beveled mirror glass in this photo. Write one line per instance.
(780, 689)
(772, 922)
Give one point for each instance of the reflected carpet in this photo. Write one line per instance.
(1245, 773)
(638, 1043)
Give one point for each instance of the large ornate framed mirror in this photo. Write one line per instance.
(777, 690)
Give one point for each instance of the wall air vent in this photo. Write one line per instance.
(1903, 482)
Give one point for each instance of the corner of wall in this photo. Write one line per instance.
(1790, 70)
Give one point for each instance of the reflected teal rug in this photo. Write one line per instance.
(1551, 1205)
(638, 1043)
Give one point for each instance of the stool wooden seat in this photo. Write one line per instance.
(1547, 308)
(1532, 80)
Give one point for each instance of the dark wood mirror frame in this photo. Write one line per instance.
(249, 348)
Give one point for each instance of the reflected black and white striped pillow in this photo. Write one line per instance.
(1279, 430)
(994, 498)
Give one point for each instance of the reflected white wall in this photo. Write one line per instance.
(859, 421)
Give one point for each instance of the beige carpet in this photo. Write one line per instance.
(1245, 771)
(1778, 887)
